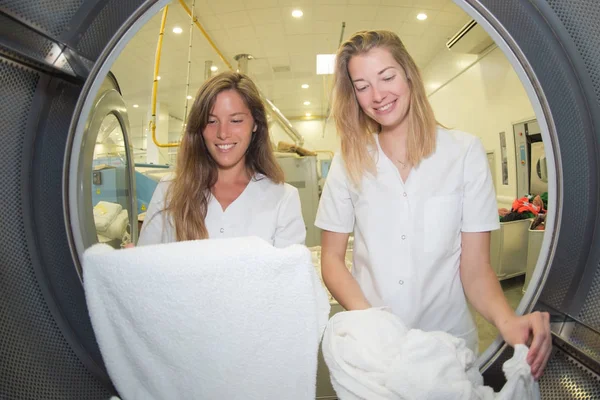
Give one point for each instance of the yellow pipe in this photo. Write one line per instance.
(157, 65)
(155, 83)
(298, 139)
(212, 44)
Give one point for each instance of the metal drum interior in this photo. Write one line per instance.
(54, 60)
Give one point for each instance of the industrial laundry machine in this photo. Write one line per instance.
(54, 57)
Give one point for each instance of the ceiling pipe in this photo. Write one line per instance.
(243, 63)
(277, 115)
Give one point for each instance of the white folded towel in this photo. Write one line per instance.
(209, 319)
(372, 355)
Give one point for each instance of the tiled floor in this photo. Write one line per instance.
(513, 292)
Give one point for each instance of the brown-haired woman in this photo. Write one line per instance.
(420, 201)
(227, 182)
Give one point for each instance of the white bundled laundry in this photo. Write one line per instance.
(117, 228)
(372, 355)
(104, 214)
(209, 319)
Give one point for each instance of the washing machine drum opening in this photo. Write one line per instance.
(53, 58)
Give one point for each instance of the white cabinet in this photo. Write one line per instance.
(301, 172)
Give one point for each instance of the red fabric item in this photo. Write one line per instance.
(523, 205)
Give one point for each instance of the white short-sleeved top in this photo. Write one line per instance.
(265, 209)
(407, 235)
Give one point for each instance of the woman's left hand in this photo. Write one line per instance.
(518, 329)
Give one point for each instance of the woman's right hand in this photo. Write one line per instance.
(129, 246)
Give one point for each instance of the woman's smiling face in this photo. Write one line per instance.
(381, 87)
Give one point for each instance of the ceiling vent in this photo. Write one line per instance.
(470, 39)
(281, 68)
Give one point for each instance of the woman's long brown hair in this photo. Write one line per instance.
(196, 173)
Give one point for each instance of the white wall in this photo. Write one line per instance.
(155, 154)
(485, 99)
(139, 136)
(108, 150)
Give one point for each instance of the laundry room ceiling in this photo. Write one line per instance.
(284, 48)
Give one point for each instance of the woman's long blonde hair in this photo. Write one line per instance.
(356, 128)
(196, 172)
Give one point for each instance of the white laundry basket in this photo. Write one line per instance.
(509, 245)
(535, 238)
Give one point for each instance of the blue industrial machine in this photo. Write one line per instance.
(147, 177)
(109, 181)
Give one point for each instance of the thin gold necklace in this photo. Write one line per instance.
(404, 165)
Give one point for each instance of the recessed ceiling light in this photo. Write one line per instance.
(189, 97)
(305, 86)
(307, 103)
(297, 13)
(177, 30)
(135, 106)
(308, 114)
(421, 16)
(214, 68)
(158, 78)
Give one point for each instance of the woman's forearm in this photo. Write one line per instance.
(480, 283)
(485, 294)
(342, 285)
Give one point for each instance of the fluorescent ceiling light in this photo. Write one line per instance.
(462, 64)
(421, 16)
(307, 103)
(305, 86)
(189, 97)
(158, 78)
(325, 64)
(214, 68)
(135, 106)
(308, 114)
(297, 13)
(177, 30)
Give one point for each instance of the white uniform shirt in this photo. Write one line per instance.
(265, 209)
(407, 235)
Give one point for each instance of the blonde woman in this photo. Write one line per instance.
(227, 182)
(420, 201)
